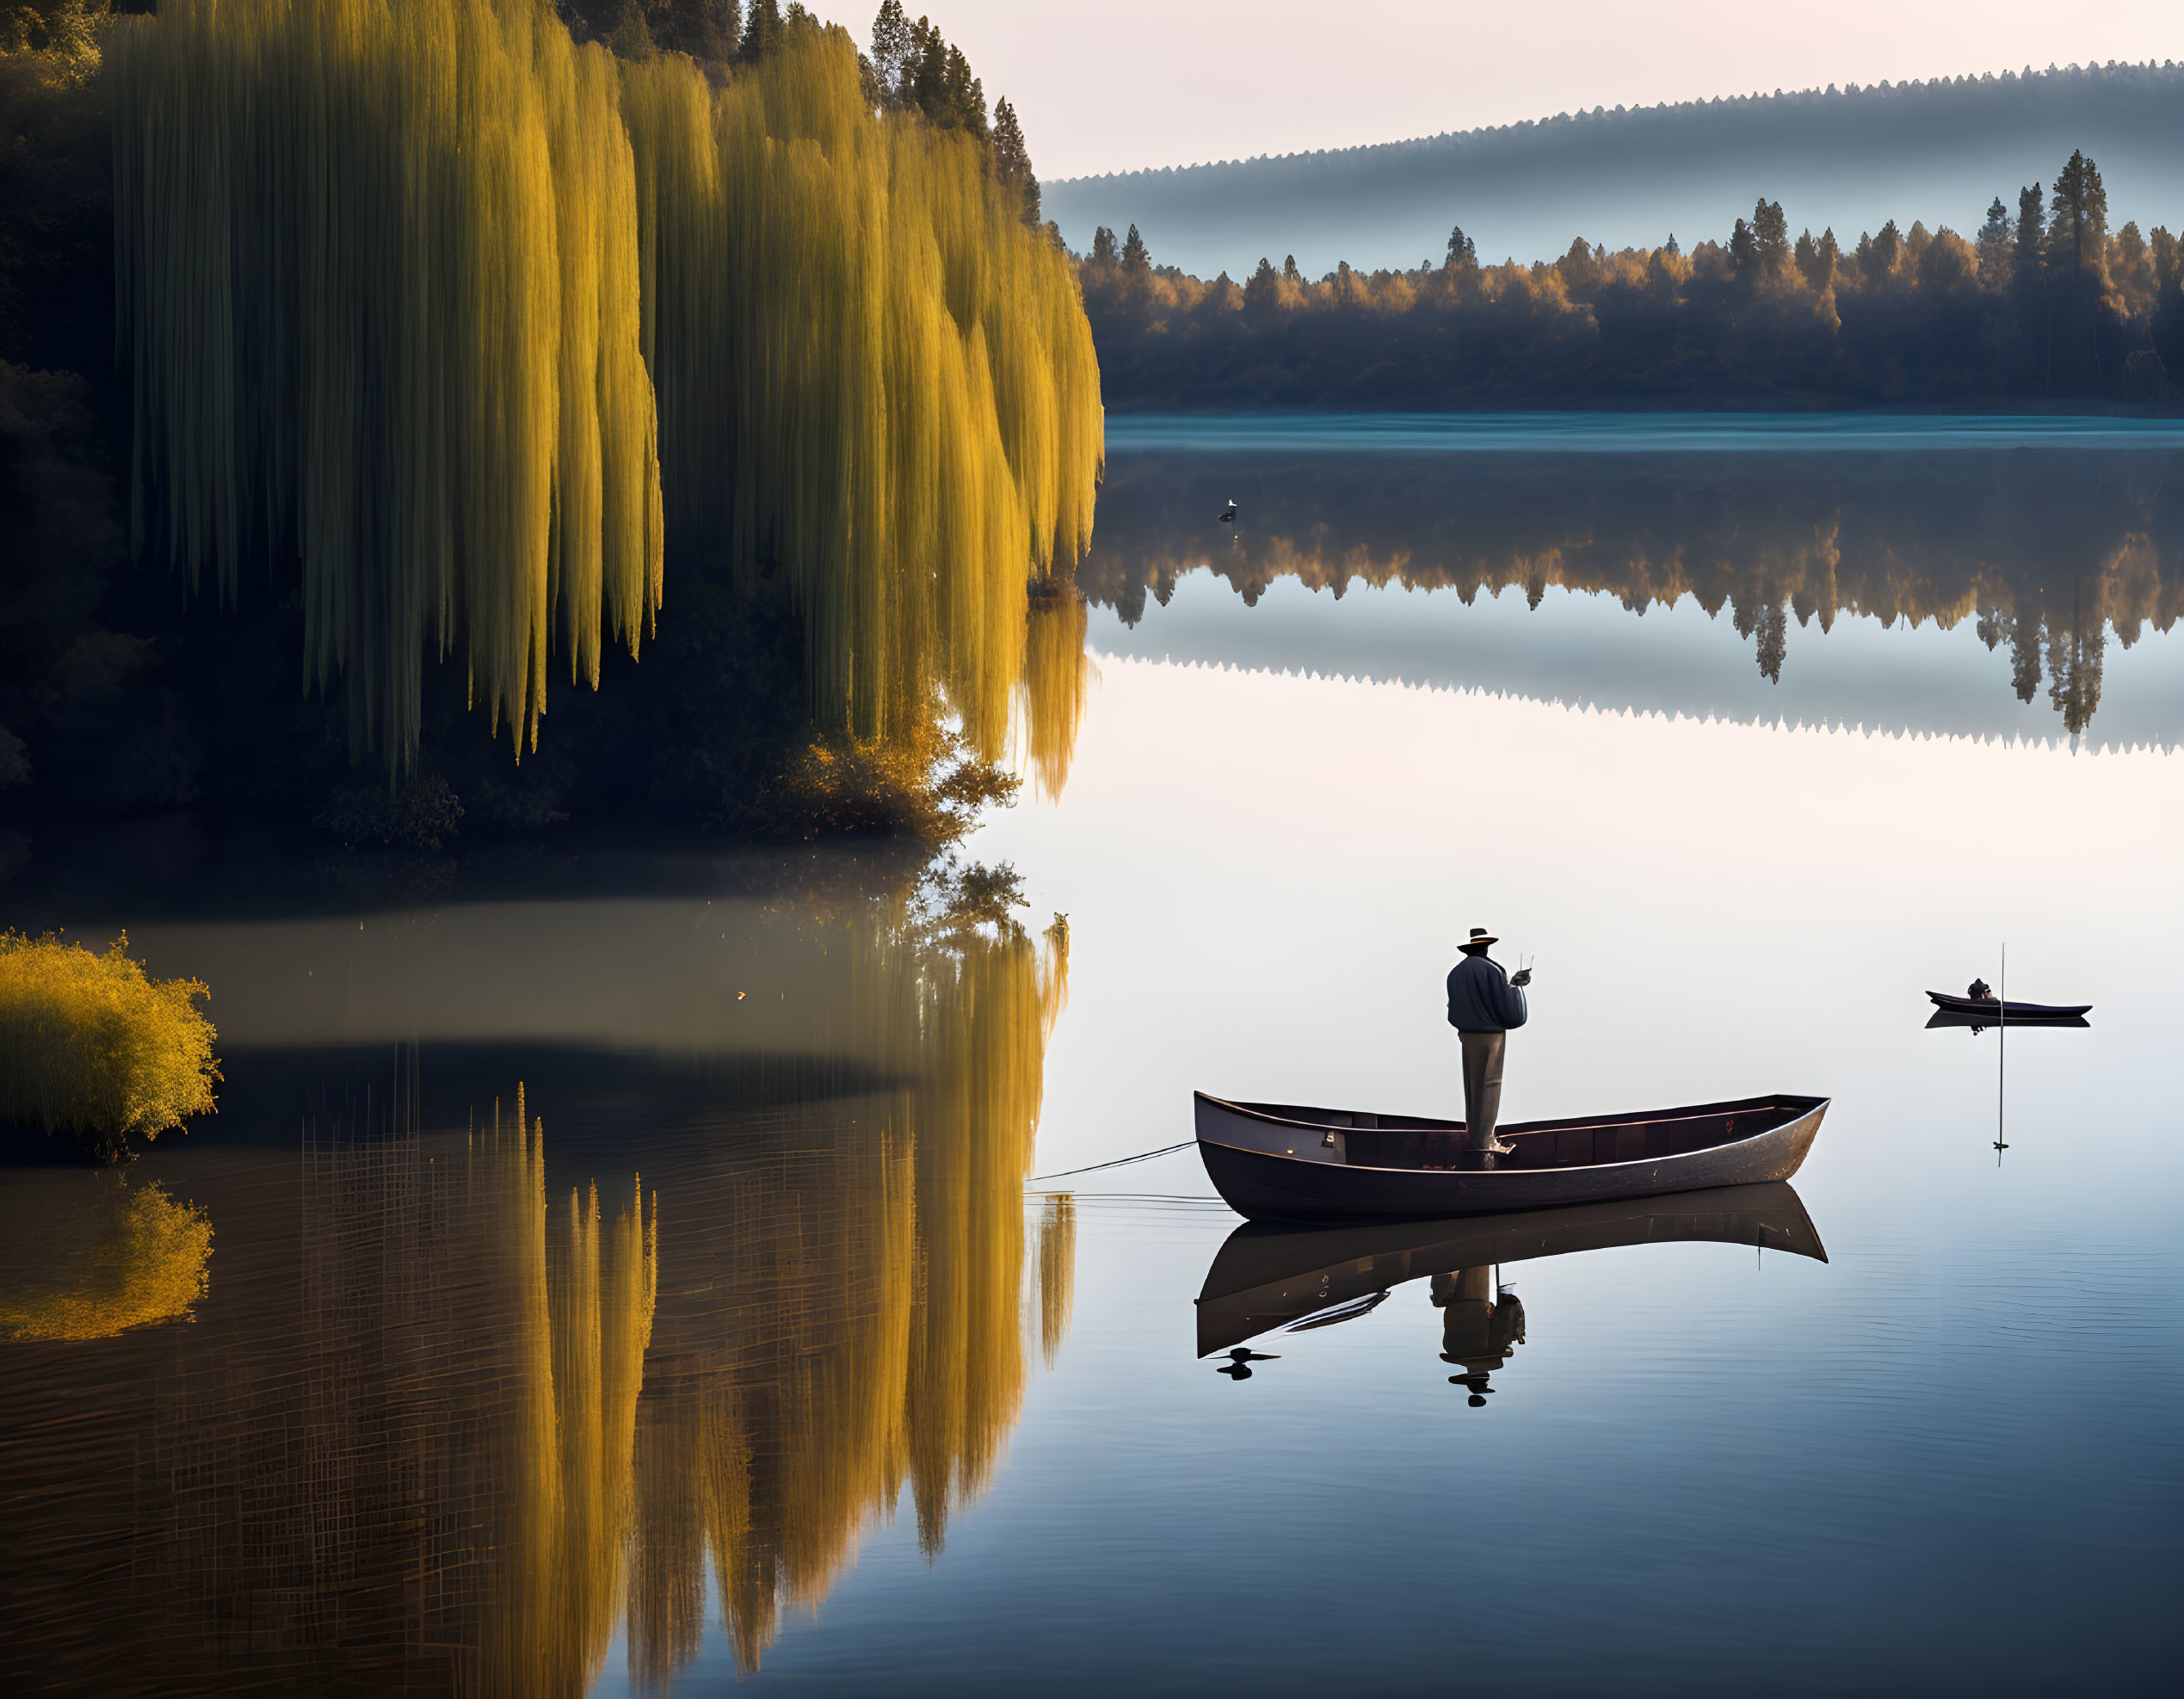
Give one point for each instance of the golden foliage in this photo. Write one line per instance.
(864, 1325)
(579, 1299)
(86, 1256)
(90, 1046)
(399, 278)
(1057, 1273)
(377, 266)
(874, 378)
(1057, 685)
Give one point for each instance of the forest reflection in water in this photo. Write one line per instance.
(2049, 553)
(439, 1423)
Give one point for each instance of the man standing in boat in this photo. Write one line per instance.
(1484, 1003)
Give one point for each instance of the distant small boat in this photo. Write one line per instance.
(1284, 1162)
(1996, 1011)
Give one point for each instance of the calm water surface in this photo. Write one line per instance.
(818, 1393)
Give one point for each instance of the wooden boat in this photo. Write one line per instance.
(1284, 1162)
(1267, 1276)
(1949, 1017)
(1997, 1011)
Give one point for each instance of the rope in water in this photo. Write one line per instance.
(1119, 1162)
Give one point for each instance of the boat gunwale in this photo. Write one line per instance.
(1697, 1112)
(1953, 1005)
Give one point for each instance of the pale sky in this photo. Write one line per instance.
(1121, 84)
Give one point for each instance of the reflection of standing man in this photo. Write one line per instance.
(1479, 1327)
(1484, 1003)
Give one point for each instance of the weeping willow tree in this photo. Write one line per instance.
(377, 265)
(468, 323)
(874, 381)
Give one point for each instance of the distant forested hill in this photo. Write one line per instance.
(1852, 158)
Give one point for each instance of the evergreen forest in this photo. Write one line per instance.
(2041, 305)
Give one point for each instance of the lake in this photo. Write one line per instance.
(614, 1269)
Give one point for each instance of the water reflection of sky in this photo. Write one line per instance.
(1944, 1458)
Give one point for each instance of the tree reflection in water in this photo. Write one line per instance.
(2048, 552)
(426, 1476)
(856, 1321)
(88, 1256)
(439, 1425)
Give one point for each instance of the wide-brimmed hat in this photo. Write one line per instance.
(1480, 936)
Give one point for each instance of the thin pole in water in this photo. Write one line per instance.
(2001, 1054)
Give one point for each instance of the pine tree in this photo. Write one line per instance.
(2163, 246)
(2031, 233)
(1135, 260)
(1012, 165)
(2079, 234)
(708, 30)
(963, 100)
(1103, 249)
(1262, 291)
(1743, 253)
(1289, 272)
(1771, 239)
(1880, 260)
(762, 31)
(890, 53)
(1995, 245)
(925, 86)
(1463, 252)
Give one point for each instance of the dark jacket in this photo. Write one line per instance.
(1481, 997)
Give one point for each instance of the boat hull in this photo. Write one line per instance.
(1994, 1012)
(1311, 1179)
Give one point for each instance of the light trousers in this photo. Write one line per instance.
(1482, 1087)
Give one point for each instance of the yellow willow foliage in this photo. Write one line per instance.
(377, 266)
(864, 1322)
(805, 1442)
(873, 378)
(578, 1320)
(966, 1353)
(1056, 687)
(1057, 1274)
(89, 1045)
(85, 1256)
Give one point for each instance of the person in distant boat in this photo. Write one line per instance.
(1980, 992)
(1484, 1003)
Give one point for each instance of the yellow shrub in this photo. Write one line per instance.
(90, 1046)
(85, 1256)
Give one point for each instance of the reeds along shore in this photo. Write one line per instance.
(477, 324)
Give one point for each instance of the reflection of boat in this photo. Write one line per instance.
(1995, 1010)
(1284, 1162)
(1267, 1277)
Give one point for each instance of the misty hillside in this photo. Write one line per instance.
(1853, 158)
